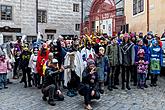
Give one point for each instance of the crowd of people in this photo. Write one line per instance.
(84, 65)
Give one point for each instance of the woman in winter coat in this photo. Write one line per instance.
(89, 86)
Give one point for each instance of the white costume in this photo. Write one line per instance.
(73, 61)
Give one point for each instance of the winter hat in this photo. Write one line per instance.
(45, 46)
(54, 61)
(101, 48)
(90, 62)
(126, 35)
(141, 51)
(154, 42)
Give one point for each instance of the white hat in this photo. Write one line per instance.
(54, 61)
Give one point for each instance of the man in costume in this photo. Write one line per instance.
(24, 61)
(50, 87)
(73, 65)
(42, 57)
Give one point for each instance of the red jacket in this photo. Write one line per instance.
(41, 61)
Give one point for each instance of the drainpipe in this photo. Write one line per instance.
(148, 27)
(37, 16)
(82, 17)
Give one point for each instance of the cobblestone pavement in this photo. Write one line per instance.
(19, 98)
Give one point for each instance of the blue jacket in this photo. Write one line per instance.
(137, 47)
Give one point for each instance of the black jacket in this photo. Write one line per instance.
(51, 77)
(87, 77)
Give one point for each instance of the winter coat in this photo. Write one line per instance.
(112, 51)
(127, 54)
(146, 56)
(4, 66)
(156, 59)
(87, 77)
(24, 59)
(33, 62)
(41, 61)
(102, 64)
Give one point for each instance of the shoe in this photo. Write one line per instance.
(74, 92)
(44, 98)
(25, 86)
(88, 107)
(110, 89)
(101, 91)
(21, 81)
(70, 94)
(29, 85)
(114, 87)
(5, 87)
(128, 88)
(39, 87)
(151, 85)
(51, 102)
(0, 88)
(145, 86)
(123, 88)
(155, 85)
(134, 84)
(15, 77)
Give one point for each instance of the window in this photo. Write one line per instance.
(6, 12)
(77, 27)
(138, 6)
(103, 26)
(42, 16)
(75, 7)
(7, 38)
(50, 36)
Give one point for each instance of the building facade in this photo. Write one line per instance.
(145, 15)
(104, 16)
(49, 17)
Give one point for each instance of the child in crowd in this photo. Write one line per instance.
(142, 68)
(4, 67)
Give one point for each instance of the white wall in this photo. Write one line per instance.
(107, 23)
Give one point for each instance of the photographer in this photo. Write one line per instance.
(50, 83)
(89, 86)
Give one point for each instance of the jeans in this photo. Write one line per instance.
(141, 79)
(86, 92)
(26, 72)
(51, 92)
(125, 74)
(36, 78)
(16, 65)
(3, 80)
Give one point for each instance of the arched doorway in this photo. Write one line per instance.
(103, 19)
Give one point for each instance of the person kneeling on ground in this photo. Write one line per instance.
(50, 87)
(89, 86)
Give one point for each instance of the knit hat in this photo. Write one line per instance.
(126, 35)
(90, 62)
(54, 61)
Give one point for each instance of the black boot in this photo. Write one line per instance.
(29, 84)
(110, 88)
(51, 102)
(128, 87)
(25, 86)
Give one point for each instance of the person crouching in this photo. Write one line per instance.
(50, 87)
(89, 86)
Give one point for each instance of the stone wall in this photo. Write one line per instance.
(60, 16)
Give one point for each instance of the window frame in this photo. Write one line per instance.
(138, 6)
(76, 7)
(5, 16)
(40, 16)
(77, 27)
